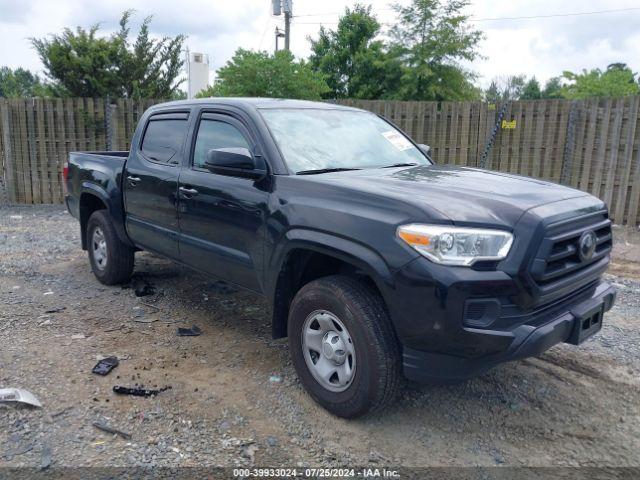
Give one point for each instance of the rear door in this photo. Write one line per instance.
(150, 183)
(222, 217)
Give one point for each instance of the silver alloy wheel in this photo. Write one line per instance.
(99, 248)
(328, 350)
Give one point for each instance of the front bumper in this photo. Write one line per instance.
(565, 323)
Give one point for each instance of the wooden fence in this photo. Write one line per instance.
(593, 145)
(36, 136)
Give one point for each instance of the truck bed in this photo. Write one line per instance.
(98, 173)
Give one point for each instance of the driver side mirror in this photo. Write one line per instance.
(426, 149)
(234, 162)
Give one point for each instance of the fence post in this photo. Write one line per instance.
(494, 133)
(7, 163)
(569, 145)
(8, 174)
(108, 123)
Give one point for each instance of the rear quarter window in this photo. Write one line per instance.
(163, 140)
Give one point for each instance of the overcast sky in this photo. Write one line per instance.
(543, 47)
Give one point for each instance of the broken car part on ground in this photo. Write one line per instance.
(18, 395)
(104, 366)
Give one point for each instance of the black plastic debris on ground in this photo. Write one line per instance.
(194, 331)
(140, 286)
(55, 310)
(139, 391)
(104, 366)
(144, 290)
(106, 428)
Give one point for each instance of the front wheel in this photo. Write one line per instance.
(343, 346)
(111, 259)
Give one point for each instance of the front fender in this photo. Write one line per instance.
(356, 254)
(353, 253)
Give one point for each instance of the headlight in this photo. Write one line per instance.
(456, 245)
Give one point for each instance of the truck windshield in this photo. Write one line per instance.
(320, 140)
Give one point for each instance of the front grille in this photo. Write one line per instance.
(475, 311)
(558, 260)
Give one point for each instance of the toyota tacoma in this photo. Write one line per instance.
(377, 262)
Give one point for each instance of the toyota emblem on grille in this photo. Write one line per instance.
(587, 245)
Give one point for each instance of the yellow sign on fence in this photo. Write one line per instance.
(508, 124)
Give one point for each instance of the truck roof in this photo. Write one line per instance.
(255, 103)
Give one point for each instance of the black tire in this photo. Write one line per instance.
(120, 257)
(377, 374)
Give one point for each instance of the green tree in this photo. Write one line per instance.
(353, 62)
(510, 87)
(531, 90)
(431, 38)
(82, 63)
(553, 88)
(492, 94)
(20, 83)
(259, 74)
(618, 80)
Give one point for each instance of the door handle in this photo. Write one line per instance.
(188, 192)
(133, 181)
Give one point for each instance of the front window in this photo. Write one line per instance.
(216, 134)
(317, 139)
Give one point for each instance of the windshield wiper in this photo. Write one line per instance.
(325, 170)
(401, 165)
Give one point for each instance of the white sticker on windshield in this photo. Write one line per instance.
(397, 140)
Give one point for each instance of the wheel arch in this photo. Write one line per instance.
(91, 200)
(306, 255)
(93, 197)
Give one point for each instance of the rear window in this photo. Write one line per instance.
(163, 140)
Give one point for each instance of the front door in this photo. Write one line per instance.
(150, 184)
(221, 217)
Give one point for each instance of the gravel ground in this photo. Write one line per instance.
(235, 399)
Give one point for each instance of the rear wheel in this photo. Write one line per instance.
(343, 346)
(111, 259)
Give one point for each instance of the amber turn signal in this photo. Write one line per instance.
(413, 239)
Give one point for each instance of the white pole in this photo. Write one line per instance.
(189, 96)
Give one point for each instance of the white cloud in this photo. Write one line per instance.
(14, 12)
(544, 47)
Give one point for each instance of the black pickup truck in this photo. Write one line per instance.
(376, 261)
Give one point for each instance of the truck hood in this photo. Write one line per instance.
(461, 194)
